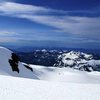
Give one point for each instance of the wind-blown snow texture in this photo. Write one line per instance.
(46, 83)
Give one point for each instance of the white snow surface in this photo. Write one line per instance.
(5, 68)
(46, 83)
(67, 75)
(12, 88)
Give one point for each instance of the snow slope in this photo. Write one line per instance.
(67, 75)
(12, 88)
(46, 83)
(45, 73)
(5, 68)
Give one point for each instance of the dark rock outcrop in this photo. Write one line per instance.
(14, 62)
(28, 67)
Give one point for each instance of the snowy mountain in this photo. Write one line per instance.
(49, 83)
(62, 58)
(78, 60)
(40, 57)
(10, 65)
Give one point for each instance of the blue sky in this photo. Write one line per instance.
(53, 23)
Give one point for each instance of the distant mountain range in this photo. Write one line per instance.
(78, 60)
(56, 58)
(62, 58)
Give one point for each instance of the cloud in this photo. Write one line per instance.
(68, 24)
(79, 25)
(17, 8)
(8, 33)
(7, 39)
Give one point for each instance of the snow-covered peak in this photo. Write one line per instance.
(76, 55)
(77, 60)
(44, 50)
(10, 65)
